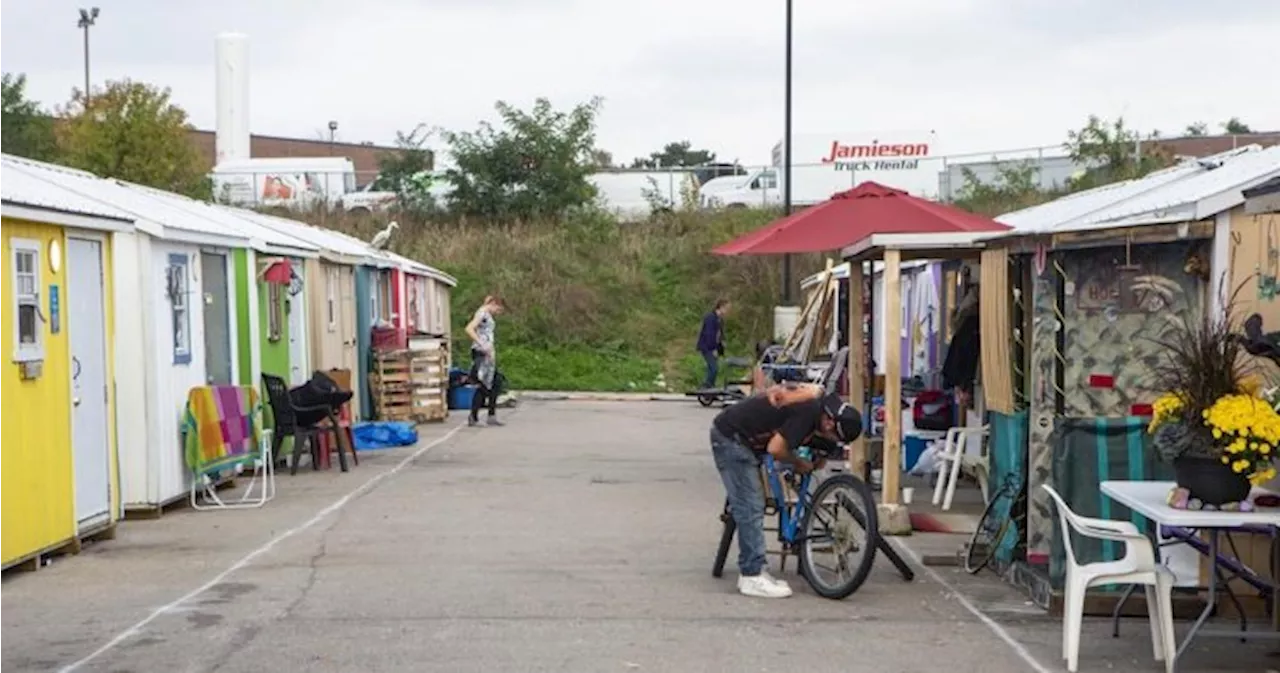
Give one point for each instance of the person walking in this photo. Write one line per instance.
(711, 341)
(484, 364)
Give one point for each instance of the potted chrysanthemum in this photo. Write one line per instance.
(1214, 423)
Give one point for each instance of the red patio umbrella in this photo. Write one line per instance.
(850, 216)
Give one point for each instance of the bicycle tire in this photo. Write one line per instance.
(726, 540)
(979, 554)
(871, 526)
(706, 400)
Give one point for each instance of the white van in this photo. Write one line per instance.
(287, 181)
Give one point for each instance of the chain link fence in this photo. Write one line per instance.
(635, 191)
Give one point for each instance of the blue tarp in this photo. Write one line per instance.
(384, 435)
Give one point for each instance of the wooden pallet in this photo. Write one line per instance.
(411, 385)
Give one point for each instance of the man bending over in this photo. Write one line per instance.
(778, 421)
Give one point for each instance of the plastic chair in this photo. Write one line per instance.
(1137, 566)
(954, 457)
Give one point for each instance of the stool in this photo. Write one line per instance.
(344, 432)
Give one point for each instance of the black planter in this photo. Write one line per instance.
(1209, 481)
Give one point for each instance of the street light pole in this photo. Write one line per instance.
(88, 17)
(786, 161)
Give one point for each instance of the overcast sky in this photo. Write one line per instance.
(985, 74)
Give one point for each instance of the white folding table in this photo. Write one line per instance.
(1150, 499)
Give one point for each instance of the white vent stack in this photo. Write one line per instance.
(232, 77)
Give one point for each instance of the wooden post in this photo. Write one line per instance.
(892, 464)
(856, 366)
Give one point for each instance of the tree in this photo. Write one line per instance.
(132, 131)
(1111, 151)
(407, 171)
(535, 165)
(1198, 129)
(27, 130)
(680, 153)
(1015, 187)
(602, 159)
(1235, 126)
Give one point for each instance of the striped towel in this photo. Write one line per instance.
(218, 427)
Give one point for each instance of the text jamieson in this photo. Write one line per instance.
(876, 156)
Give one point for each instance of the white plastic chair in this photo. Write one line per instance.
(955, 457)
(1137, 566)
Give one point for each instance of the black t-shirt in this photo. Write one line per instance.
(754, 421)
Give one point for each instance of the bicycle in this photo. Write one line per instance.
(1007, 510)
(801, 514)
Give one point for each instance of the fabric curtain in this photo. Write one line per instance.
(997, 364)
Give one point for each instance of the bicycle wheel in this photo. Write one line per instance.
(840, 527)
(988, 534)
(726, 540)
(706, 400)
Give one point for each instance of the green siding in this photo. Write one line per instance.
(275, 352)
(244, 335)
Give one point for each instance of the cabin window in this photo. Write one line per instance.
(275, 312)
(384, 297)
(375, 311)
(180, 307)
(28, 336)
(331, 298)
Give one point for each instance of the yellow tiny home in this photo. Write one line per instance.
(57, 418)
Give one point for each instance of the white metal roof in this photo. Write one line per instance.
(260, 238)
(26, 196)
(153, 218)
(1199, 196)
(333, 245)
(418, 268)
(1194, 189)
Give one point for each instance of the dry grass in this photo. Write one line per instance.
(594, 304)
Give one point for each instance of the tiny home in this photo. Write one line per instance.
(423, 298)
(175, 272)
(331, 295)
(271, 332)
(60, 480)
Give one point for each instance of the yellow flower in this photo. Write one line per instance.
(1239, 466)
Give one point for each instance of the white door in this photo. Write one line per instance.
(298, 366)
(87, 325)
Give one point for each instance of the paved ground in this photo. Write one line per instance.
(578, 538)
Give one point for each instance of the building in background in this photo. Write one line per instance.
(364, 155)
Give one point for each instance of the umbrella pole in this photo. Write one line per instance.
(786, 161)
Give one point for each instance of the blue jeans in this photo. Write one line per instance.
(740, 471)
(713, 369)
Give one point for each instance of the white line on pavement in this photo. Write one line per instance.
(990, 623)
(249, 558)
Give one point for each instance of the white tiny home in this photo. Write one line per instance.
(171, 280)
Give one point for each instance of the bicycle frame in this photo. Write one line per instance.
(789, 518)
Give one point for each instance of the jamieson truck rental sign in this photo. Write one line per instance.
(876, 156)
(824, 163)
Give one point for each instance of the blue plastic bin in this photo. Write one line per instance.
(912, 448)
(460, 397)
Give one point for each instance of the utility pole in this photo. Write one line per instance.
(88, 17)
(786, 162)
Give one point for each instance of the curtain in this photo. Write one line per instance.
(997, 365)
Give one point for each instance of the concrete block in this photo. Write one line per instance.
(894, 519)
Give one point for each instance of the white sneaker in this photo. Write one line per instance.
(764, 572)
(762, 586)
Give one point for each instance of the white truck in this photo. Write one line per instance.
(295, 182)
(825, 164)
